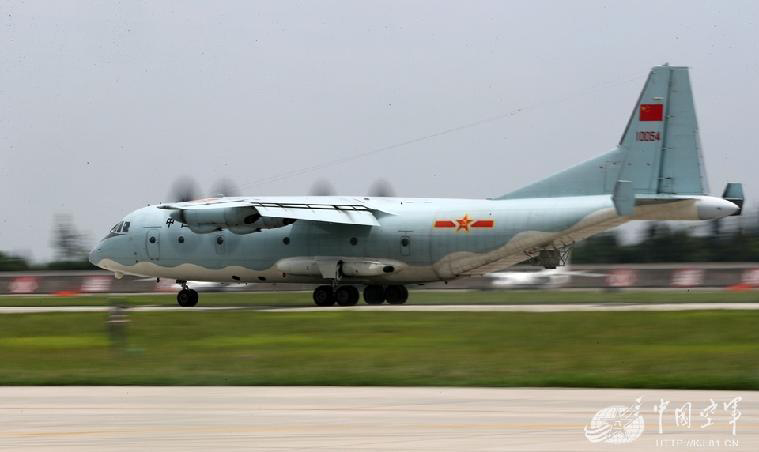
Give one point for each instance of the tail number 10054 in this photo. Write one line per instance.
(648, 136)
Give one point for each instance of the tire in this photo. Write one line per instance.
(193, 297)
(324, 296)
(405, 293)
(374, 294)
(186, 299)
(396, 294)
(346, 296)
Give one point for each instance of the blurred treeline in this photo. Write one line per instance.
(12, 263)
(70, 246)
(728, 240)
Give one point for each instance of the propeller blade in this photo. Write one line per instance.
(381, 189)
(224, 187)
(184, 189)
(322, 187)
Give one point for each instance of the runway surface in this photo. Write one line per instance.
(360, 418)
(555, 307)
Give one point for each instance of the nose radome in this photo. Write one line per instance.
(94, 256)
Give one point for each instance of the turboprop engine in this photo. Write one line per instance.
(239, 220)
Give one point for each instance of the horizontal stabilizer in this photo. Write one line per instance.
(734, 193)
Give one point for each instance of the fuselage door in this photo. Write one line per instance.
(153, 243)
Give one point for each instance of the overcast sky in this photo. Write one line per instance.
(103, 105)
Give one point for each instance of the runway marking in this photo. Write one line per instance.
(48, 309)
(534, 307)
(554, 307)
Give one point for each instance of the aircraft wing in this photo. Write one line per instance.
(330, 213)
(235, 211)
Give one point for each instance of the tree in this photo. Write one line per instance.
(69, 244)
(11, 263)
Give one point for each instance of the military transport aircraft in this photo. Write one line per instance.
(656, 172)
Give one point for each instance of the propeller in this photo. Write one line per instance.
(184, 189)
(322, 187)
(381, 189)
(224, 187)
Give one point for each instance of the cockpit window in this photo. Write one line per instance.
(117, 229)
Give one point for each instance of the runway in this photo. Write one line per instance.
(359, 418)
(554, 307)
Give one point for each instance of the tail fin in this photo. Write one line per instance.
(660, 150)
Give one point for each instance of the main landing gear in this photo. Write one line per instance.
(348, 295)
(343, 295)
(187, 297)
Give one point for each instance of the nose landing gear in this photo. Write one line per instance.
(187, 297)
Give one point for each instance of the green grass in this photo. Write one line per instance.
(274, 299)
(693, 349)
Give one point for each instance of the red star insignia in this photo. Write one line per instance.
(463, 223)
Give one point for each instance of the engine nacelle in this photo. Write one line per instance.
(239, 220)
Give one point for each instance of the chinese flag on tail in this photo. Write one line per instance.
(651, 112)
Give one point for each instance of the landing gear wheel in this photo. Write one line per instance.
(346, 296)
(396, 294)
(374, 294)
(187, 298)
(324, 296)
(193, 297)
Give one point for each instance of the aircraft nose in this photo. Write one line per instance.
(95, 256)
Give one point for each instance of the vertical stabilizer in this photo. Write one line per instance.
(659, 153)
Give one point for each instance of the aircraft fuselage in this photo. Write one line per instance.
(424, 240)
